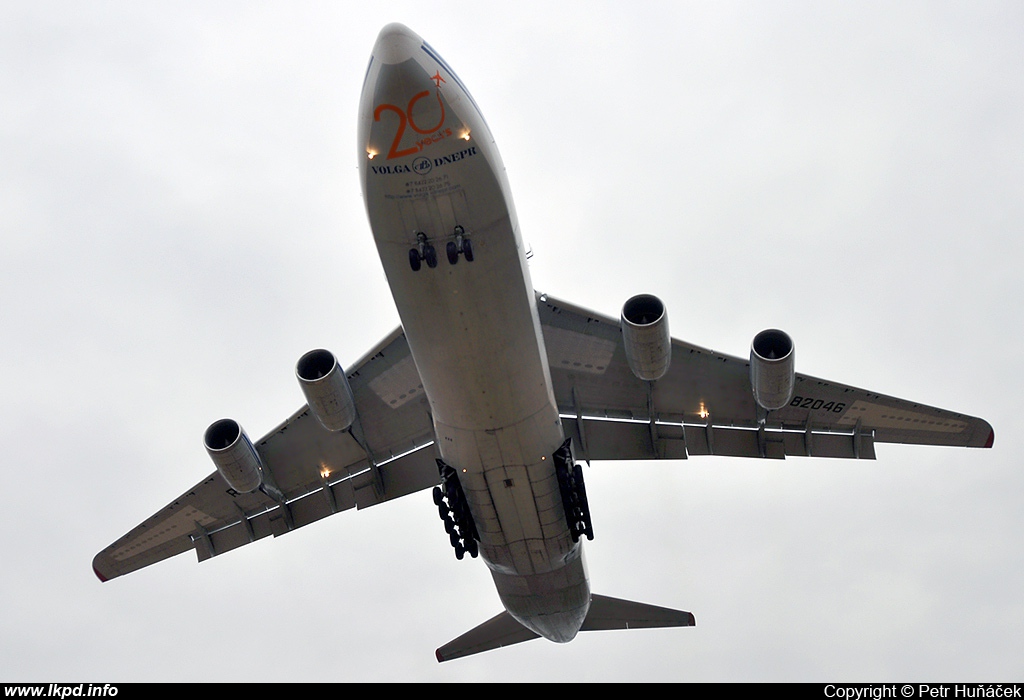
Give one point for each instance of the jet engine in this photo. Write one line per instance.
(327, 390)
(233, 454)
(645, 336)
(772, 369)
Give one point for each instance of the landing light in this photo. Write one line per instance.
(703, 412)
(371, 154)
(465, 136)
(324, 472)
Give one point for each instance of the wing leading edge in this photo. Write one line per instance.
(704, 404)
(388, 454)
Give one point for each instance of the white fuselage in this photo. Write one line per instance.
(428, 165)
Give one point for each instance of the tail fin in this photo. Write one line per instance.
(605, 613)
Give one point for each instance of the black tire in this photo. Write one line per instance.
(430, 255)
(414, 259)
(563, 477)
(453, 252)
(459, 509)
(577, 475)
(472, 548)
(581, 489)
(467, 249)
(438, 496)
(459, 552)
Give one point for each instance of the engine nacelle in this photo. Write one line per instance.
(233, 454)
(772, 369)
(327, 390)
(645, 336)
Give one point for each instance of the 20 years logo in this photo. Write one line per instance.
(405, 118)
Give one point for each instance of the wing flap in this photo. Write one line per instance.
(633, 440)
(407, 474)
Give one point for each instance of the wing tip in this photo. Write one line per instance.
(440, 656)
(991, 437)
(101, 568)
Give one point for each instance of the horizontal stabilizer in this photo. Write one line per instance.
(617, 614)
(605, 613)
(500, 631)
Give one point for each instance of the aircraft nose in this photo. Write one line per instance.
(396, 43)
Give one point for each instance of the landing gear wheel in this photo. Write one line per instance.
(414, 259)
(453, 506)
(588, 528)
(453, 252)
(430, 255)
(467, 249)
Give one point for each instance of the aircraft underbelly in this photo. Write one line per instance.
(473, 331)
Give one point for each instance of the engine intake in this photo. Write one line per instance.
(233, 454)
(772, 369)
(327, 390)
(645, 336)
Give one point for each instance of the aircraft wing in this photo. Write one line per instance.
(704, 404)
(316, 472)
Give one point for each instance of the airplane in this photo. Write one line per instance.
(490, 394)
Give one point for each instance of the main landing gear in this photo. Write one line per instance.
(454, 511)
(574, 493)
(425, 251)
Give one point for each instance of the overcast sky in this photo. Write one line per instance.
(181, 219)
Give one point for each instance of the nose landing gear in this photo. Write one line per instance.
(422, 252)
(461, 244)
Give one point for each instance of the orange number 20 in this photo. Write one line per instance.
(405, 117)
